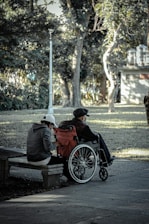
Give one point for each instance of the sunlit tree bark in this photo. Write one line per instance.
(107, 68)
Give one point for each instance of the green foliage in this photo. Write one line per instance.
(131, 14)
(14, 96)
(77, 13)
(23, 42)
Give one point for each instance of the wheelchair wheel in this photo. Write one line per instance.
(82, 163)
(103, 174)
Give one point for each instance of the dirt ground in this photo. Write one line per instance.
(125, 132)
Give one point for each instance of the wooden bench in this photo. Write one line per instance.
(6, 153)
(51, 173)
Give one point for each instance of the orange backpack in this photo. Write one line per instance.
(66, 140)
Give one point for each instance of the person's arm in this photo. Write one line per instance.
(48, 145)
(88, 135)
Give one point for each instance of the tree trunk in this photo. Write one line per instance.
(108, 69)
(148, 28)
(111, 91)
(31, 6)
(76, 68)
(108, 72)
(103, 89)
(66, 99)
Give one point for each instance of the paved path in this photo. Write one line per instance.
(122, 199)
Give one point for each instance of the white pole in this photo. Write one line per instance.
(50, 107)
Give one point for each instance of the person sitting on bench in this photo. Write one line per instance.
(84, 132)
(39, 144)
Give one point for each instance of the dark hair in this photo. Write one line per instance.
(45, 122)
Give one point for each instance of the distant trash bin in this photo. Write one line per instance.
(146, 103)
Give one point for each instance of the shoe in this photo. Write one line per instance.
(111, 160)
(105, 165)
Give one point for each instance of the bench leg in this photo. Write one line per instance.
(4, 171)
(50, 180)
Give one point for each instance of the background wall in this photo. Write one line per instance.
(134, 84)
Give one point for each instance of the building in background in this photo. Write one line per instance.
(135, 76)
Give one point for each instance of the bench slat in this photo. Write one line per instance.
(51, 173)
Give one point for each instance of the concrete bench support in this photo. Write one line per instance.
(4, 170)
(51, 173)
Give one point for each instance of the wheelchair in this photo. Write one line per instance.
(82, 158)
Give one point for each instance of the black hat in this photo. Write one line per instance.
(80, 112)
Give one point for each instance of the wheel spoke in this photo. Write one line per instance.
(82, 163)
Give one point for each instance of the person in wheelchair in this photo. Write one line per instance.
(84, 132)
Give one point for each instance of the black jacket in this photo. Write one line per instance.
(83, 130)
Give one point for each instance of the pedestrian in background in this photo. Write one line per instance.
(146, 103)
